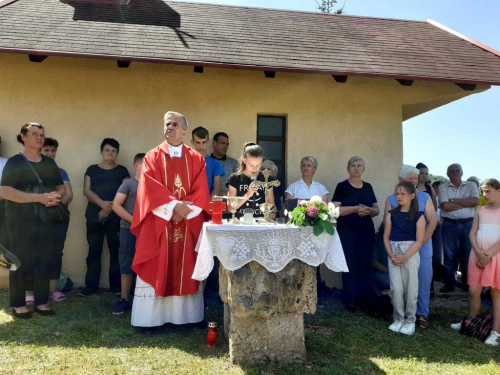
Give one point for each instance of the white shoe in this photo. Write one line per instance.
(396, 326)
(407, 329)
(456, 326)
(493, 339)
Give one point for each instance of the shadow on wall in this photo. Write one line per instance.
(136, 12)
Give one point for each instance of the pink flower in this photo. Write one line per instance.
(299, 202)
(312, 211)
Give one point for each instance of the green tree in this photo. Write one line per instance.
(327, 6)
(435, 177)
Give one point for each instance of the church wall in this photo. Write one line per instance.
(81, 101)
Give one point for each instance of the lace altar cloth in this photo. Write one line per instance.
(273, 247)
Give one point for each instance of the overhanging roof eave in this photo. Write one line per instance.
(244, 66)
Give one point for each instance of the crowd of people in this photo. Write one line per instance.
(152, 222)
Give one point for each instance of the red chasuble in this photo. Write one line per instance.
(165, 256)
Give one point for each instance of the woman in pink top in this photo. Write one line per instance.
(484, 261)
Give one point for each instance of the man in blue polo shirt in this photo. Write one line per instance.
(214, 168)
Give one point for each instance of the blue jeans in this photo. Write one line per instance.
(437, 246)
(126, 251)
(457, 248)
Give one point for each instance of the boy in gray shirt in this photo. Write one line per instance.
(123, 206)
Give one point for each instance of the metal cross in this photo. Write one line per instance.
(267, 185)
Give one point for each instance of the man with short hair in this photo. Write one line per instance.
(199, 140)
(220, 145)
(457, 200)
(410, 174)
(172, 203)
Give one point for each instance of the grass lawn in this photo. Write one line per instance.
(85, 338)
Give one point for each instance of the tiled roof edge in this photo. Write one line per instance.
(209, 64)
(462, 36)
(6, 2)
(294, 11)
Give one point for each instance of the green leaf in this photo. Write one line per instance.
(328, 227)
(323, 216)
(318, 228)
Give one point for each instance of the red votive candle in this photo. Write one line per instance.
(211, 334)
(216, 208)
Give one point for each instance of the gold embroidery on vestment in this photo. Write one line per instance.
(178, 235)
(178, 185)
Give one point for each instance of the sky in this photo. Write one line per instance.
(466, 131)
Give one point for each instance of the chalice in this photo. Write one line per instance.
(233, 202)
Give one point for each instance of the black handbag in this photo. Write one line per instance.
(47, 214)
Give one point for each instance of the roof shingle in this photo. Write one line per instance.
(255, 38)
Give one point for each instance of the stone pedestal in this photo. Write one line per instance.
(263, 311)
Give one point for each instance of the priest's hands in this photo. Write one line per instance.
(181, 211)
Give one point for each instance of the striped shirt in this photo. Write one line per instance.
(447, 191)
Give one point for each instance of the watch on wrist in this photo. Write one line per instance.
(452, 200)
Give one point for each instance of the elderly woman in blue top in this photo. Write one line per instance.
(306, 187)
(358, 205)
(410, 174)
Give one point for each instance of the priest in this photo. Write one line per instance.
(172, 202)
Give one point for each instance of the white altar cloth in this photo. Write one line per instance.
(273, 247)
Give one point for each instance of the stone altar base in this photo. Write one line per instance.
(263, 312)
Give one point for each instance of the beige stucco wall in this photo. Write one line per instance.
(82, 101)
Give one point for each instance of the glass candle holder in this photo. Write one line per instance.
(211, 334)
(216, 208)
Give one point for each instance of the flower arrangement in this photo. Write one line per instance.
(315, 213)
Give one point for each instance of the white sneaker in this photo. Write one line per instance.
(493, 339)
(456, 326)
(396, 326)
(407, 329)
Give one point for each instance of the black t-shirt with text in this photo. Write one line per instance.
(240, 182)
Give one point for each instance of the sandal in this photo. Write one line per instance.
(58, 297)
(30, 300)
(422, 322)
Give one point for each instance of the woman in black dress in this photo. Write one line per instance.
(240, 184)
(29, 238)
(356, 230)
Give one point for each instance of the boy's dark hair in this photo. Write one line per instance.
(437, 183)
(411, 189)
(220, 134)
(200, 132)
(25, 128)
(51, 142)
(112, 142)
(139, 157)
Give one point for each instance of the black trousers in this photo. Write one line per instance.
(60, 232)
(358, 250)
(3, 240)
(96, 230)
(31, 240)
